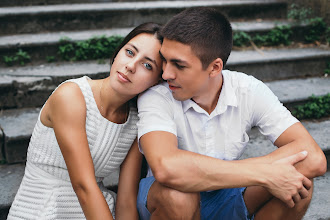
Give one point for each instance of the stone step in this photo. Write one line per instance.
(15, 3)
(283, 63)
(16, 135)
(11, 174)
(24, 86)
(35, 19)
(41, 45)
(12, 3)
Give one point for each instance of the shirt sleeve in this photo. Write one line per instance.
(155, 110)
(269, 114)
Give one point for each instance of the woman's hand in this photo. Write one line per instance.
(128, 186)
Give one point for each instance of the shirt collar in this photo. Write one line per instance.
(227, 96)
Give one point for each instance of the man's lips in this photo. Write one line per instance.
(173, 87)
(122, 77)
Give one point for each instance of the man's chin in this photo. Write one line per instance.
(178, 97)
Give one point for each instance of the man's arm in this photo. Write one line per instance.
(191, 172)
(293, 140)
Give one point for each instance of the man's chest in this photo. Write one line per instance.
(222, 136)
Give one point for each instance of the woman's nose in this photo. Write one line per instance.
(131, 66)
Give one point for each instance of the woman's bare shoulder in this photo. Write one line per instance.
(66, 102)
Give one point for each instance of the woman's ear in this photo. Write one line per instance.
(216, 67)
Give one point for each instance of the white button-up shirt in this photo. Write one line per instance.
(244, 102)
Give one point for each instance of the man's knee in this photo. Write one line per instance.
(173, 203)
(184, 201)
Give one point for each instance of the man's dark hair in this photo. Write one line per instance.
(206, 30)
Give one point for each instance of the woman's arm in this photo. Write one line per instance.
(128, 186)
(66, 112)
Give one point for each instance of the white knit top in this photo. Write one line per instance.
(46, 191)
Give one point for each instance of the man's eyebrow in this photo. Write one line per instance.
(173, 60)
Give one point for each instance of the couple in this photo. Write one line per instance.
(191, 129)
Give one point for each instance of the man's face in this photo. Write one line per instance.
(183, 71)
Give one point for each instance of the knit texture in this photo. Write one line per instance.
(46, 191)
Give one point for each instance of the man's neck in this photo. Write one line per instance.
(209, 100)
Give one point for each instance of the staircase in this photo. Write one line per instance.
(36, 26)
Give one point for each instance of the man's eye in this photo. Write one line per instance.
(129, 52)
(148, 66)
(179, 66)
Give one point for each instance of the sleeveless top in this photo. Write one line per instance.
(46, 191)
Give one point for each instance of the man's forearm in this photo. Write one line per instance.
(191, 172)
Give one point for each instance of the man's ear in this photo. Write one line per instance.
(216, 67)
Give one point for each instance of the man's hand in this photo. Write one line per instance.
(286, 183)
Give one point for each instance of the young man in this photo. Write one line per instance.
(192, 130)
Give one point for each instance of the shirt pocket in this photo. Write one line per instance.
(234, 146)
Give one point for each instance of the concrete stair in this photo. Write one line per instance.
(293, 74)
(31, 19)
(31, 85)
(41, 45)
(16, 135)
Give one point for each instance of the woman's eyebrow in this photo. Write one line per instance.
(151, 60)
(147, 58)
(132, 45)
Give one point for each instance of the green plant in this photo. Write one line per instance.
(94, 48)
(327, 35)
(316, 107)
(20, 57)
(50, 59)
(327, 70)
(241, 38)
(65, 49)
(298, 13)
(9, 60)
(317, 28)
(278, 35)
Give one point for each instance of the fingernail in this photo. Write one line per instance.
(304, 152)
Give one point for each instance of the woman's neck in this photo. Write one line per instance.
(112, 105)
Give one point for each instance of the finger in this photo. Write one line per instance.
(303, 193)
(297, 157)
(290, 203)
(307, 183)
(296, 198)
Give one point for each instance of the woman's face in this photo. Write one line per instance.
(137, 65)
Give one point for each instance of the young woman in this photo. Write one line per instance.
(86, 130)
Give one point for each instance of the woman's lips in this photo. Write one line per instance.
(123, 78)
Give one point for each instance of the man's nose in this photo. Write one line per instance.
(168, 73)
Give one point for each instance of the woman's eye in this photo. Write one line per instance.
(148, 66)
(129, 52)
